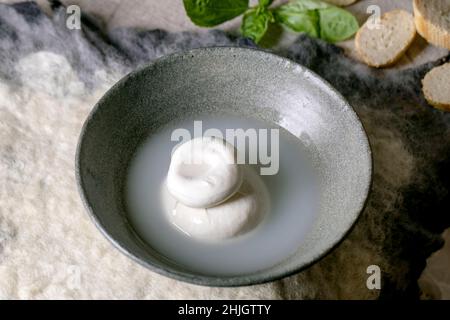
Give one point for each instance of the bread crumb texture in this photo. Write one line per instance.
(436, 87)
(382, 43)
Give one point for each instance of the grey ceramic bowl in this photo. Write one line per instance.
(248, 82)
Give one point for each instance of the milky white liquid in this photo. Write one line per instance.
(292, 205)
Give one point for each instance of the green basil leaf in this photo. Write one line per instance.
(255, 24)
(299, 20)
(209, 13)
(337, 24)
(305, 5)
(265, 3)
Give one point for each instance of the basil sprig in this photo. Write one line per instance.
(336, 24)
(255, 23)
(317, 18)
(210, 13)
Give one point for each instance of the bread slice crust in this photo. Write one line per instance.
(433, 81)
(429, 26)
(385, 20)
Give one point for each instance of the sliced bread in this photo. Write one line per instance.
(341, 3)
(436, 87)
(383, 45)
(432, 18)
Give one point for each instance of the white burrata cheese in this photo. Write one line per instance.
(238, 215)
(203, 172)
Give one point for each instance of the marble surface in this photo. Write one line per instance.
(64, 71)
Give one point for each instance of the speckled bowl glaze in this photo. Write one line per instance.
(247, 82)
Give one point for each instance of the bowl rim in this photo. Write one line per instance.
(200, 279)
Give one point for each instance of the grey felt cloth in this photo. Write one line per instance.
(50, 77)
